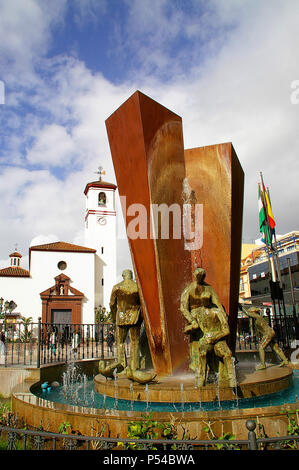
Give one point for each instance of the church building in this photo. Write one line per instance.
(66, 282)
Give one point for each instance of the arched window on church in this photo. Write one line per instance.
(102, 199)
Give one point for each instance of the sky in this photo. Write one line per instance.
(229, 68)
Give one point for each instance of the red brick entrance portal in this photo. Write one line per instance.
(62, 298)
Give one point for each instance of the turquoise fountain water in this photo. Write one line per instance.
(81, 393)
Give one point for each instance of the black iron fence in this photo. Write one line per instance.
(37, 344)
(284, 327)
(21, 439)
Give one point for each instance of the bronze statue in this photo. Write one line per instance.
(109, 370)
(267, 337)
(140, 376)
(208, 328)
(126, 312)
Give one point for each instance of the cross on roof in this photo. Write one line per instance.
(100, 172)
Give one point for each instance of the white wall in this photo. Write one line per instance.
(20, 290)
(26, 291)
(80, 269)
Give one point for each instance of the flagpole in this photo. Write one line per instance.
(269, 248)
(274, 265)
(278, 265)
(270, 256)
(275, 250)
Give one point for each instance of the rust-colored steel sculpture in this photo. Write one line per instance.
(216, 176)
(151, 167)
(146, 143)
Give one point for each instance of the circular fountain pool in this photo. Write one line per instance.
(81, 393)
(86, 410)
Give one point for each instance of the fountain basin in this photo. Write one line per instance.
(111, 423)
(38, 408)
(178, 388)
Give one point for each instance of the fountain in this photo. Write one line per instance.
(190, 321)
(182, 396)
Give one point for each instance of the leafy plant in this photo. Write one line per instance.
(293, 429)
(7, 417)
(3, 444)
(27, 334)
(65, 428)
(226, 436)
(230, 437)
(261, 433)
(102, 316)
(151, 429)
(144, 429)
(99, 431)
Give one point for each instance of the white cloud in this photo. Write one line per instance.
(239, 92)
(25, 35)
(43, 239)
(53, 147)
(243, 95)
(88, 10)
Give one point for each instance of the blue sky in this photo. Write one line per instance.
(225, 66)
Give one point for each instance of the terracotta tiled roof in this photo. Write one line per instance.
(15, 254)
(62, 246)
(14, 271)
(99, 184)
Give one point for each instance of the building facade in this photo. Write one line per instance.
(255, 273)
(66, 282)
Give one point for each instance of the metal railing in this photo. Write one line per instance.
(37, 344)
(24, 439)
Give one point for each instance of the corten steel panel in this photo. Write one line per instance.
(216, 176)
(146, 143)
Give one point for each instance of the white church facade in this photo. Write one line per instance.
(66, 282)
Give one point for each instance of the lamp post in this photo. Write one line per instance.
(1, 307)
(1, 304)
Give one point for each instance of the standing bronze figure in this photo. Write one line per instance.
(126, 313)
(267, 337)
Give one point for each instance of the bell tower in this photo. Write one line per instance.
(100, 234)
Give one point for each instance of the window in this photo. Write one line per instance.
(102, 199)
(102, 281)
(102, 250)
(62, 265)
